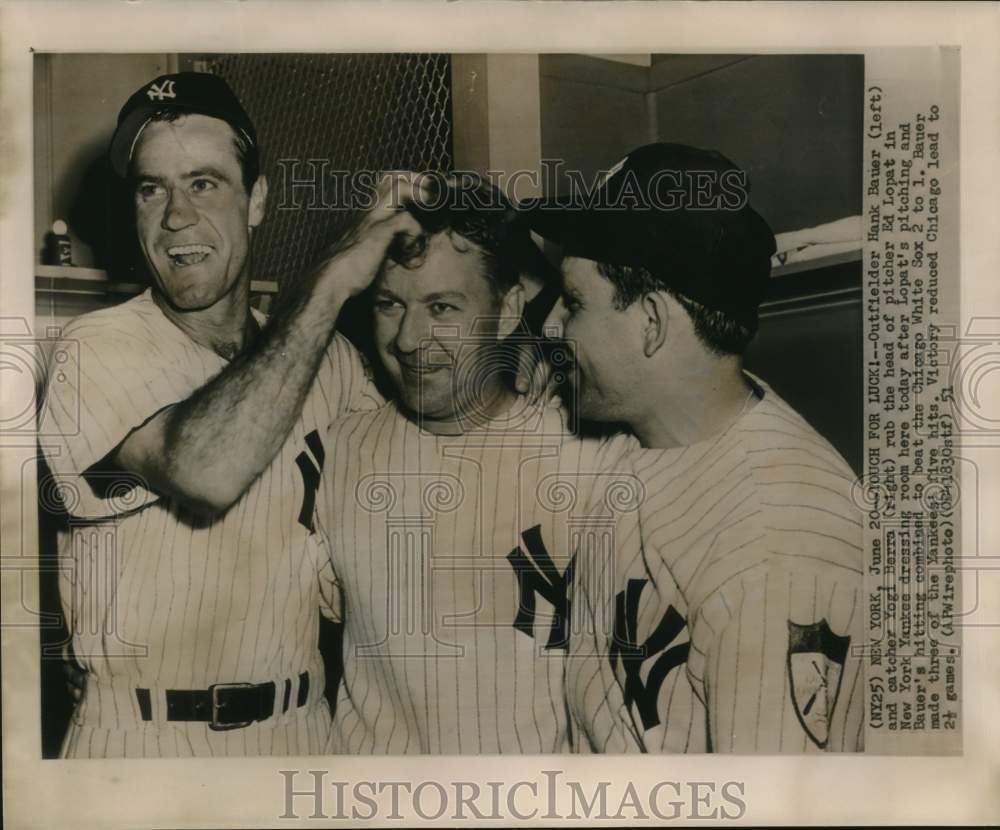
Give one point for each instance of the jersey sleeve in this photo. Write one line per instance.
(344, 381)
(112, 378)
(773, 658)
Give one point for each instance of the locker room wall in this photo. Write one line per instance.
(76, 102)
(812, 356)
(593, 111)
(793, 122)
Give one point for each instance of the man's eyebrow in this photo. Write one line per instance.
(214, 172)
(149, 177)
(442, 295)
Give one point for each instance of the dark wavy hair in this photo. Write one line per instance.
(472, 211)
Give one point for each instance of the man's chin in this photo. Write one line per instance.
(420, 403)
(587, 406)
(190, 297)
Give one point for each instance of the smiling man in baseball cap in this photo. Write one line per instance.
(747, 530)
(669, 236)
(200, 443)
(190, 152)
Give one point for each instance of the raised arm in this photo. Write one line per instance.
(207, 449)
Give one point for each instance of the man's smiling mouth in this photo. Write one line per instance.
(420, 369)
(184, 255)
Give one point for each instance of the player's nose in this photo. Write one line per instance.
(412, 331)
(179, 212)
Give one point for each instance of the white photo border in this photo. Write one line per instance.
(250, 792)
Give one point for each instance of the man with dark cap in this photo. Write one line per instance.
(198, 453)
(746, 529)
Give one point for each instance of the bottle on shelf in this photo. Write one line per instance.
(60, 246)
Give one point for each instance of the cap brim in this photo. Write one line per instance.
(125, 135)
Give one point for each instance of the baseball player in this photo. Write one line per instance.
(192, 474)
(450, 513)
(729, 615)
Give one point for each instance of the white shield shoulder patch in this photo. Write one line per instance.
(815, 667)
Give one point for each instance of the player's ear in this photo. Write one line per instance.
(258, 201)
(655, 312)
(511, 308)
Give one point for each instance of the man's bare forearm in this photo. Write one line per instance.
(222, 437)
(208, 449)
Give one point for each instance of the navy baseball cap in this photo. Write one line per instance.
(681, 213)
(198, 92)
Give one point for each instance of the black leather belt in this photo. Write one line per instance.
(225, 705)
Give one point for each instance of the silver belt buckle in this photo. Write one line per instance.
(217, 707)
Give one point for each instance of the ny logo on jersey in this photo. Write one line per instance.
(310, 466)
(538, 575)
(632, 655)
(164, 90)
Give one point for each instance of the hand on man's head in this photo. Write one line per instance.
(353, 261)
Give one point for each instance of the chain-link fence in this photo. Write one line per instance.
(347, 113)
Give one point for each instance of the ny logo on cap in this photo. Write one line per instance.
(164, 90)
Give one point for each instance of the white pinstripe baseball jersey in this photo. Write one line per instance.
(451, 553)
(157, 598)
(723, 619)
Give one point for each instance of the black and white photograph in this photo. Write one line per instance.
(228, 477)
(503, 405)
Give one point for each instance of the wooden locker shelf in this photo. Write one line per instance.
(817, 263)
(72, 279)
